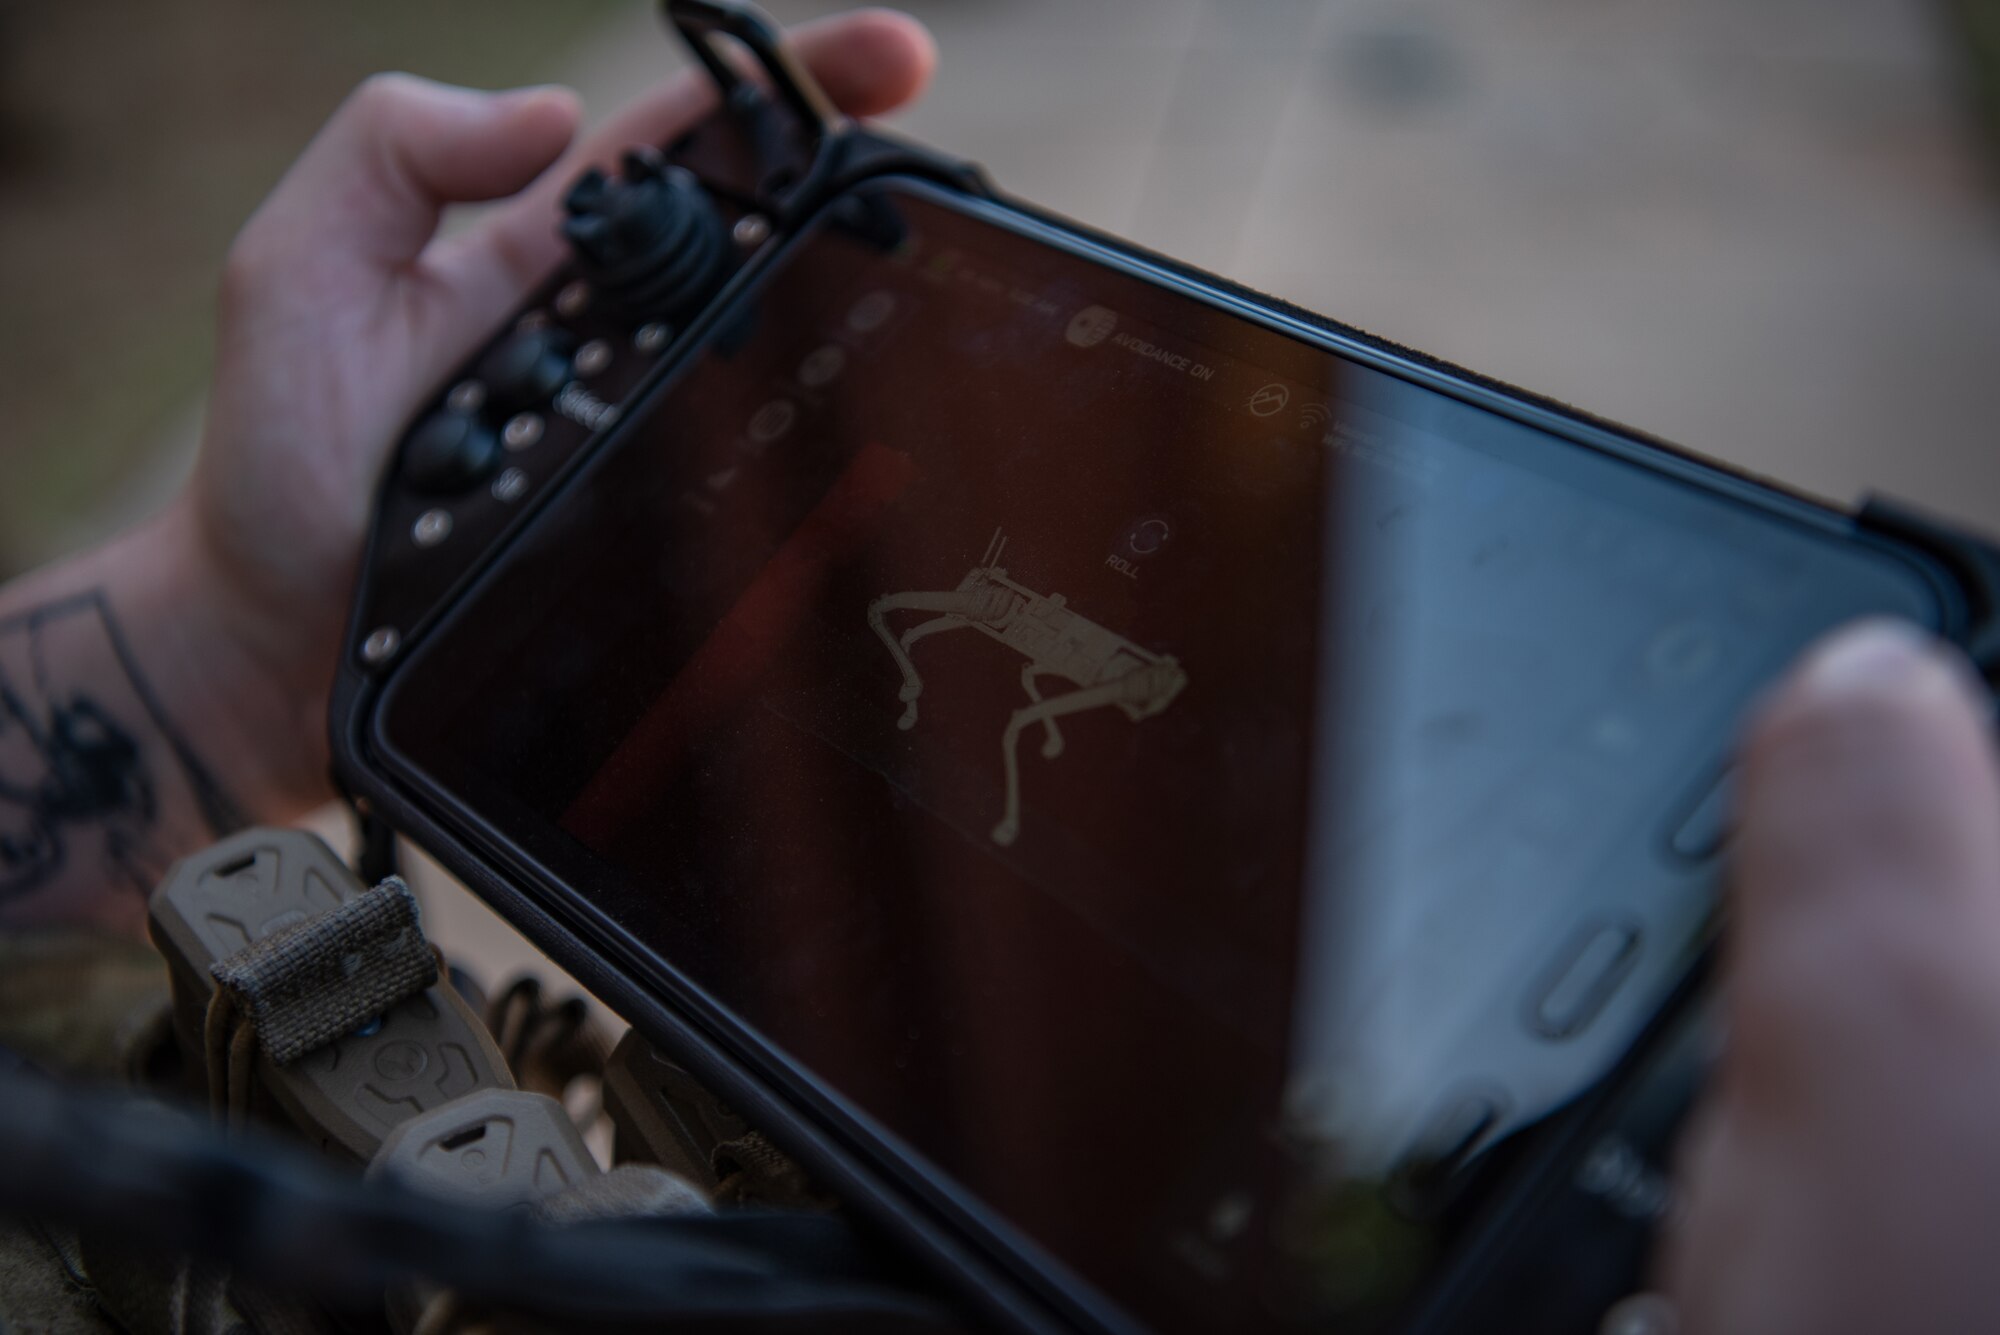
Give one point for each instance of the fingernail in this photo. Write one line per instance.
(1874, 653)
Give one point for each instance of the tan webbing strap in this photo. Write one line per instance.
(228, 1043)
(312, 982)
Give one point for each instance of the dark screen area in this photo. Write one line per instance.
(1150, 765)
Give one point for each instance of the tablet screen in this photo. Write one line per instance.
(1169, 776)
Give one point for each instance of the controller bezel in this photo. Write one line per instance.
(780, 157)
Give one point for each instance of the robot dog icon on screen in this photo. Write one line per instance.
(1058, 641)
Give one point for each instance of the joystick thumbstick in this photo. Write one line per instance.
(527, 369)
(449, 452)
(648, 240)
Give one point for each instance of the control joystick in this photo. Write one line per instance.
(449, 452)
(526, 369)
(649, 240)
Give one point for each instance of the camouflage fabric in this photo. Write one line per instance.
(43, 1287)
(86, 1004)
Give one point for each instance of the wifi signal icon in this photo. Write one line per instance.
(1314, 416)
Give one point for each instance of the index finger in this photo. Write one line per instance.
(868, 61)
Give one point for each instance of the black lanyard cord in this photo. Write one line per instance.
(161, 1180)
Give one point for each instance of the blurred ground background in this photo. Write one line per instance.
(1766, 229)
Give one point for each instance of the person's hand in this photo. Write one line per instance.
(1844, 1172)
(341, 311)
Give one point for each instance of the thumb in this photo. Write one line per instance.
(372, 184)
(1869, 820)
(1841, 1176)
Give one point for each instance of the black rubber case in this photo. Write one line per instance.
(1564, 1231)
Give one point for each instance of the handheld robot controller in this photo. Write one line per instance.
(1514, 1182)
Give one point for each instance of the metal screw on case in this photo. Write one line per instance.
(511, 485)
(467, 396)
(592, 358)
(381, 645)
(521, 431)
(573, 300)
(651, 338)
(432, 527)
(1641, 1314)
(751, 230)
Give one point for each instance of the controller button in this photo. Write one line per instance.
(651, 338)
(522, 430)
(432, 527)
(1589, 970)
(573, 300)
(510, 486)
(1700, 834)
(467, 396)
(593, 357)
(449, 452)
(527, 369)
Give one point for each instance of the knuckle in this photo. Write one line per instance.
(381, 96)
(381, 106)
(245, 269)
(1815, 726)
(1852, 976)
(1859, 719)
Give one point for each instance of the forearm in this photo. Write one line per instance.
(175, 683)
(137, 723)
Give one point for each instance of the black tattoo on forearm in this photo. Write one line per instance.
(93, 770)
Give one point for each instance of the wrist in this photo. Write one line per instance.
(157, 708)
(250, 675)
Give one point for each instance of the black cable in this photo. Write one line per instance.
(157, 1179)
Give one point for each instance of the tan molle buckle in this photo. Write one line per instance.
(333, 1016)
